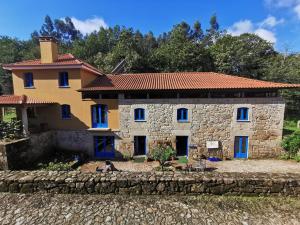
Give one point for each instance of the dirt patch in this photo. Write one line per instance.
(123, 166)
(263, 166)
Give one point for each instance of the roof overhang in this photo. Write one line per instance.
(23, 100)
(95, 89)
(50, 66)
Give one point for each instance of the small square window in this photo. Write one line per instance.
(63, 79)
(28, 80)
(139, 114)
(65, 112)
(242, 114)
(182, 114)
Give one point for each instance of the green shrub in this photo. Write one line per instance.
(285, 156)
(11, 130)
(162, 153)
(183, 159)
(55, 166)
(291, 143)
(297, 157)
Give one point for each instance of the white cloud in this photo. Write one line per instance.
(247, 26)
(241, 27)
(271, 21)
(89, 25)
(297, 10)
(266, 34)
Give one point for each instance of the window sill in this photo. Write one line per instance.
(140, 120)
(245, 121)
(183, 121)
(30, 87)
(99, 129)
(63, 86)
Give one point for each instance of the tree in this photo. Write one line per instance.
(245, 55)
(10, 51)
(213, 33)
(179, 52)
(62, 29)
(162, 153)
(198, 34)
(285, 68)
(47, 28)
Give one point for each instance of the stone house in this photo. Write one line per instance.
(106, 115)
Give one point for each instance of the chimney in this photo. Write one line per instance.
(48, 46)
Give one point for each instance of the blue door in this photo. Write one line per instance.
(104, 147)
(241, 147)
(99, 116)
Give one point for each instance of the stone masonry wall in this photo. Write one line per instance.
(208, 120)
(128, 183)
(23, 153)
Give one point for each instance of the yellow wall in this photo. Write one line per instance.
(49, 52)
(46, 88)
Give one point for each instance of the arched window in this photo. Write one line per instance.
(139, 114)
(65, 111)
(99, 116)
(182, 114)
(243, 114)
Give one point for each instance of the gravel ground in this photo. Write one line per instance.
(268, 166)
(95, 209)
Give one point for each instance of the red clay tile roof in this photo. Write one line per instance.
(179, 81)
(21, 100)
(62, 61)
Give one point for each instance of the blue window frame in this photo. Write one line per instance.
(65, 112)
(63, 80)
(139, 114)
(241, 147)
(28, 80)
(243, 114)
(99, 116)
(104, 146)
(182, 114)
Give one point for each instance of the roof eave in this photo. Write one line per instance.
(37, 67)
(233, 88)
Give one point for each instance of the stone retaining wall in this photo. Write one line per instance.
(21, 154)
(150, 183)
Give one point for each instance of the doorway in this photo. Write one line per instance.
(241, 147)
(139, 145)
(182, 145)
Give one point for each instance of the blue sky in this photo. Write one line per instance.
(275, 20)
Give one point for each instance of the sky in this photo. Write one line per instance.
(277, 21)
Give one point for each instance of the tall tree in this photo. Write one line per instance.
(10, 51)
(180, 53)
(47, 28)
(213, 33)
(285, 68)
(242, 55)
